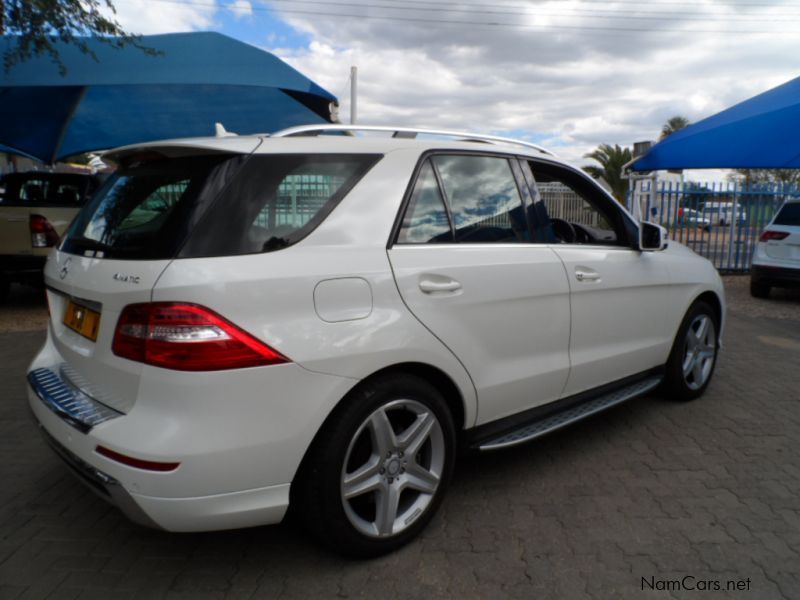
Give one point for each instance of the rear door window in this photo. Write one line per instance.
(485, 203)
(426, 220)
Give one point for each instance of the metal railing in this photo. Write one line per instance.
(720, 221)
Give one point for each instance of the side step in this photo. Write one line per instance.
(543, 425)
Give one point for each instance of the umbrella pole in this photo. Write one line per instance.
(353, 97)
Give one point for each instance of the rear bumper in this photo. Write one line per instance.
(775, 276)
(207, 513)
(237, 451)
(232, 510)
(22, 268)
(102, 484)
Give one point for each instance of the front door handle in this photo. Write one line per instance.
(586, 275)
(431, 285)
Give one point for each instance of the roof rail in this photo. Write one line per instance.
(406, 132)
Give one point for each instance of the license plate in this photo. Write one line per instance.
(82, 320)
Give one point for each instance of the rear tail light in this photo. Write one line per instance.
(187, 337)
(42, 233)
(773, 235)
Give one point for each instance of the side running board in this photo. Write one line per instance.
(575, 412)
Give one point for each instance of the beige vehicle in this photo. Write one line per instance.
(35, 210)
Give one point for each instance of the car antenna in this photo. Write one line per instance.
(221, 132)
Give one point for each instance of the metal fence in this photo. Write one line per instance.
(720, 221)
(298, 199)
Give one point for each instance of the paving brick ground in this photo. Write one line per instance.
(651, 489)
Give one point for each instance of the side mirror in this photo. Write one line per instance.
(652, 237)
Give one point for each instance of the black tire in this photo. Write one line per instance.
(317, 496)
(5, 286)
(759, 290)
(678, 386)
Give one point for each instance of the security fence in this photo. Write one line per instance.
(720, 221)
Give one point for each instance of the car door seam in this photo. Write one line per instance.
(440, 340)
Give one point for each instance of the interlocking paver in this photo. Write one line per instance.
(649, 490)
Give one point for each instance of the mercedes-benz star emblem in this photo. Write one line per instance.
(65, 269)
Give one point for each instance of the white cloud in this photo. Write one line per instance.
(241, 9)
(575, 88)
(148, 17)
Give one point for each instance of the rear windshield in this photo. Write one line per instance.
(789, 214)
(212, 205)
(46, 189)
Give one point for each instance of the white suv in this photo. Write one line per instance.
(776, 260)
(241, 325)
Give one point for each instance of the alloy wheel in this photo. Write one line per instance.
(700, 348)
(392, 468)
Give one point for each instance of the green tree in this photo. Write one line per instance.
(611, 159)
(788, 177)
(672, 125)
(39, 24)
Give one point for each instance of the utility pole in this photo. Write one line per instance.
(353, 92)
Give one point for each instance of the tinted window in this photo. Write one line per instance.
(46, 189)
(426, 218)
(484, 200)
(275, 201)
(213, 205)
(789, 214)
(146, 210)
(576, 215)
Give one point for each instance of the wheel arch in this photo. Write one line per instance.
(445, 384)
(438, 379)
(714, 301)
(435, 376)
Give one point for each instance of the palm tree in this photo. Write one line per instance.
(672, 125)
(611, 159)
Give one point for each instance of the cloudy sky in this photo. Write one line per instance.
(570, 74)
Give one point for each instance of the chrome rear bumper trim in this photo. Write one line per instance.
(73, 406)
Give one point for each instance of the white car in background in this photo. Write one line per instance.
(689, 217)
(247, 324)
(721, 213)
(776, 260)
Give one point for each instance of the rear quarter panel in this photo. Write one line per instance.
(272, 295)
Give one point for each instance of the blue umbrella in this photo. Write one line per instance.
(760, 133)
(127, 96)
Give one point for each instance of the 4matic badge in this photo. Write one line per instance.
(126, 278)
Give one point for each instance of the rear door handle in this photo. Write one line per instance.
(586, 275)
(431, 285)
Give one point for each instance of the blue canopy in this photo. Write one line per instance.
(127, 96)
(760, 133)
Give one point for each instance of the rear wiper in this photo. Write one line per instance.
(86, 244)
(274, 243)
